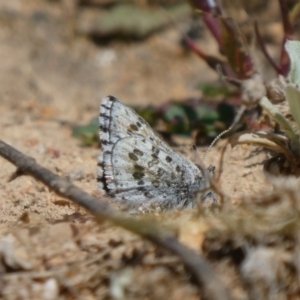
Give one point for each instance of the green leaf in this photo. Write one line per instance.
(88, 134)
(235, 49)
(293, 98)
(215, 90)
(150, 114)
(275, 142)
(177, 119)
(283, 122)
(293, 49)
(207, 114)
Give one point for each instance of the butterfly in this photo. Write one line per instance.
(138, 169)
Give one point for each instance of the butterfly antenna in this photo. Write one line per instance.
(235, 121)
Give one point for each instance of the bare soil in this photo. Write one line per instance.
(51, 79)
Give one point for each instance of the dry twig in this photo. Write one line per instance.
(210, 285)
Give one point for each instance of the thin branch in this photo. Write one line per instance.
(288, 29)
(286, 21)
(210, 285)
(210, 10)
(264, 49)
(212, 61)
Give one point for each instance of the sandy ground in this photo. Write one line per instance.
(48, 76)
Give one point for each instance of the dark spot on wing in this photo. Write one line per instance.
(112, 98)
(132, 156)
(178, 169)
(106, 142)
(140, 182)
(155, 150)
(105, 106)
(153, 162)
(103, 128)
(168, 159)
(168, 183)
(138, 124)
(104, 183)
(138, 175)
(154, 156)
(160, 172)
(104, 116)
(107, 153)
(148, 195)
(138, 152)
(139, 168)
(133, 127)
(155, 183)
